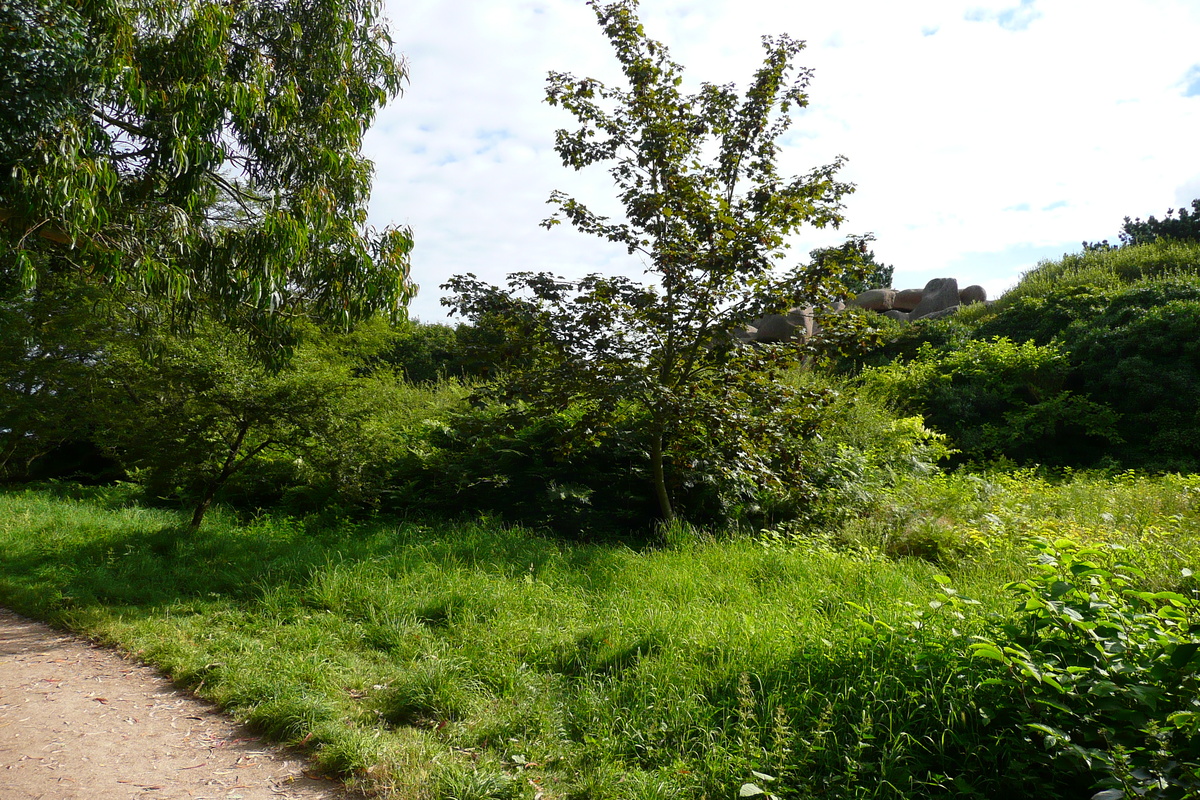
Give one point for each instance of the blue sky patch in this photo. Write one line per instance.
(1055, 204)
(1191, 82)
(489, 138)
(1018, 207)
(929, 30)
(1017, 18)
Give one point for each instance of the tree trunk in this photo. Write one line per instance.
(232, 465)
(202, 508)
(660, 479)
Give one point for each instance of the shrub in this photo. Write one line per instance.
(423, 353)
(1042, 318)
(526, 467)
(1142, 355)
(1105, 672)
(1183, 227)
(901, 341)
(1108, 269)
(555, 472)
(997, 399)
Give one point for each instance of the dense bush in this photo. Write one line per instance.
(998, 399)
(423, 353)
(1108, 269)
(527, 468)
(901, 341)
(1142, 358)
(50, 339)
(553, 472)
(1101, 364)
(1185, 227)
(1043, 318)
(1106, 672)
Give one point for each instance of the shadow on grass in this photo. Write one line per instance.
(69, 548)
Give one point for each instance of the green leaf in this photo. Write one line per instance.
(985, 650)
(1183, 654)
(1060, 588)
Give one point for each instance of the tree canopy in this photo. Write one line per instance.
(200, 151)
(710, 214)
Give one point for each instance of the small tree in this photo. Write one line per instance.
(190, 411)
(1185, 227)
(707, 210)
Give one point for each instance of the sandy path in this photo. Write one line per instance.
(79, 721)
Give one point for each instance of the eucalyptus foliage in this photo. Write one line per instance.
(708, 211)
(200, 151)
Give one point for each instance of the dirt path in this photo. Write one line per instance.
(79, 721)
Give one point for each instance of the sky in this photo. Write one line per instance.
(982, 137)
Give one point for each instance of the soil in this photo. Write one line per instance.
(81, 721)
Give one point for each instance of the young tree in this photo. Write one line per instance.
(203, 151)
(708, 211)
(189, 411)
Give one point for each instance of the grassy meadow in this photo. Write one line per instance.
(421, 659)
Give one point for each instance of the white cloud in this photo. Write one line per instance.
(951, 125)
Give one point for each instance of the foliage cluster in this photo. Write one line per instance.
(1116, 329)
(870, 275)
(706, 207)
(541, 469)
(1185, 227)
(1106, 670)
(998, 399)
(201, 152)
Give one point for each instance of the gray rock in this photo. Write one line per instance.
(972, 294)
(939, 294)
(745, 335)
(897, 314)
(875, 299)
(907, 300)
(945, 312)
(802, 318)
(773, 328)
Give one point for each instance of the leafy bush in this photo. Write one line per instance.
(557, 471)
(1106, 672)
(1183, 227)
(1042, 318)
(998, 398)
(527, 467)
(901, 341)
(1142, 356)
(1123, 325)
(423, 353)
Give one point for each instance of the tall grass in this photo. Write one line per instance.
(1109, 269)
(470, 660)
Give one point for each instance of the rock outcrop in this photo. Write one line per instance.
(941, 297)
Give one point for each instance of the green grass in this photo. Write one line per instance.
(1111, 269)
(470, 660)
